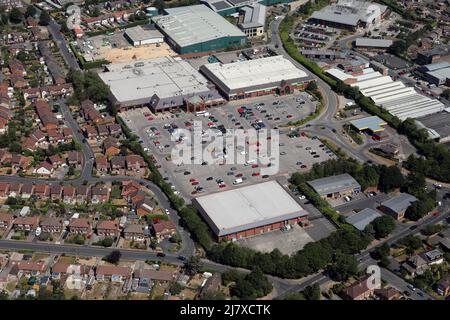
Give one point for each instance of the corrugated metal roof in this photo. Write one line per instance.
(399, 203)
(334, 184)
(377, 43)
(361, 219)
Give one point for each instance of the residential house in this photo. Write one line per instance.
(117, 165)
(101, 163)
(107, 228)
(164, 229)
(27, 190)
(56, 192)
(26, 223)
(69, 194)
(29, 267)
(134, 232)
(74, 158)
(388, 293)
(55, 160)
(113, 273)
(14, 189)
(44, 169)
(52, 225)
(45, 114)
(4, 190)
(80, 226)
(154, 275)
(416, 265)
(6, 220)
(212, 285)
(360, 290)
(111, 147)
(129, 189)
(82, 194)
(99, 194)
(443, 286)
(89, 112)
(102, 130)
(114, 129)
(41, 191)
(135, 162)
(144, 207)
(90, 132)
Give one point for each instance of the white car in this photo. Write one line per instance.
(167, 211)
(302, 197)
(38, 231)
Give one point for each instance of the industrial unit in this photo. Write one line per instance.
(396, 206)
(198, 29)
(336, 186)
(368, 43)
(250, 210)
(372, 124)
(252, 20)
(163, 83)
(228, 7)
(436, 73)
(399, 100)
(139, 36)
(361, 219)
(251, 78)
(350, 14)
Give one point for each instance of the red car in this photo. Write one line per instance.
(150, 118)
(156, 142)
(194, 183)
(194, 192)
(238, 175)
(192, 179)
(436, 213)
(222, 185)
(303, 166)
(289, 116)
(255, 165)
(255, 174)
(269, 138)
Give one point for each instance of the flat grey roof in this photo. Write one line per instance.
(139, 34)
(373, 123)
(257, 73)
(399, 203)
(368, 42)
(440, 122)
(248, 207)
(361, 219)
(165, 76)
(254, 16)
(195, 24)
(334, 184)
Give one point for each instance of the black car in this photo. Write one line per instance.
(182, 258)
(161, 254)
(186, 173)
(265, 176)
(209, 178)
(413, 228)
(407, 293)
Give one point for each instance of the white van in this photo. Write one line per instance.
(237, 181)
(249, 162)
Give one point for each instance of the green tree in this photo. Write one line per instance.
(114, 257)
(312, 292)
(31, 11)
(44, 18)
(344, 267)
(15, 16)
(312, 86)
(383, 226)
(193, 265)
(4, 295)
(175, 288)
(390, 179)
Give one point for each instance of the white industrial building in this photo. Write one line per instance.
(399, 100)
(162, 83)
(249, 78)
(250, 210)
(139, 36)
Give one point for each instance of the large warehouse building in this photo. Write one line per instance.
(250, 210)
(251, 78)
(163, 83)
(394, 96)
(350, 14)
(198, 29)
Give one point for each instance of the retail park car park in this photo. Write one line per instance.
(157, 132)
